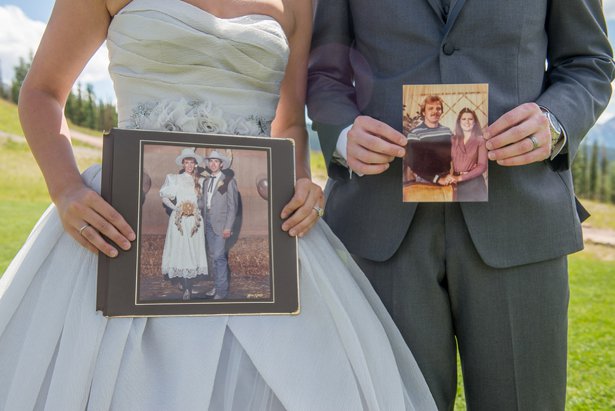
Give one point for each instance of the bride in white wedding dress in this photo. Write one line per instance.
(243, 65)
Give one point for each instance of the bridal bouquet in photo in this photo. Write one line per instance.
(187, 209)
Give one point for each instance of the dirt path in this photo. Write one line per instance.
(84, 138)
(601, 236)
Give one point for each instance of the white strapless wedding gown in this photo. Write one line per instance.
(177, 67)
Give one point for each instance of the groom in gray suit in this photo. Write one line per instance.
(489, 278)
(220, 213)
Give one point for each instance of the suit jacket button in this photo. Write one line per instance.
(448, 48)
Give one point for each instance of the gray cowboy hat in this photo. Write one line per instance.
(188, 153)
(215, 155)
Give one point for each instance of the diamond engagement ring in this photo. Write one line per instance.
(83, 228)
(319, 211)
(534, 141)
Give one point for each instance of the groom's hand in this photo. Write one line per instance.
(372, 145)
(521, 136)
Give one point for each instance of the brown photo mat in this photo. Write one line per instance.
(262, 258)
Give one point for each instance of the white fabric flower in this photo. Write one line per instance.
(245, 127)
(196, 117)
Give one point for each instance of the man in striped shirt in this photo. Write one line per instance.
(428, 153)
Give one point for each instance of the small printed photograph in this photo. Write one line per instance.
(205, 227)
(446, 158)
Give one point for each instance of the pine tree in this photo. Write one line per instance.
(79, 110)
(579, 166)
(593, 172)
(605, 185)
(108, 116)
(101, 116)
(21, 70)
(2, 93)
(70, 107)
(90, 107)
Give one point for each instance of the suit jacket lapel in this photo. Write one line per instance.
(455, 9)
(437, 7)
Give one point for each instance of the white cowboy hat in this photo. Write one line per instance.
(214, 155)
(188, 153)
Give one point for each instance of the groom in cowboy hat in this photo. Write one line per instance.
(489, 278)
(220, 211)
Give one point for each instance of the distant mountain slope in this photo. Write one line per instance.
(603, 134)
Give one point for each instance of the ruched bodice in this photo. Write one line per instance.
(217, 75)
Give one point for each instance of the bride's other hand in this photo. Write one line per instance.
(301, 213)
(87, 217)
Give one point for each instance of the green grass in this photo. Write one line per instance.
(591, 345)
(9, 123)
(317, 165)
(602, 215)
(84, 130)
(23, 197)
(23, 194)
(17, 219)
(21, 177)
(9, 120)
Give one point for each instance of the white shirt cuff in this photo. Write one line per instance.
(341, 152)
(340, 155)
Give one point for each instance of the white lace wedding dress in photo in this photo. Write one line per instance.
(177, 67)
(183, 256)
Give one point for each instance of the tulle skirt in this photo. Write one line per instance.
(342, 352)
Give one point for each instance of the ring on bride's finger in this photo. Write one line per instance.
(319, 211)
(86, 225)
(534, 141)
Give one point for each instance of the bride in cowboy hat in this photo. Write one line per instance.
(184, 254)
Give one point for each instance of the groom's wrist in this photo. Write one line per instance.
(340, 155)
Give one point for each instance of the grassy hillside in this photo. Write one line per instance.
(591, 345)
(602, 215)
(9, 120)
(23, 194)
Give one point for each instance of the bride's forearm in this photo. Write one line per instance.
(46, 131)
(302, 149)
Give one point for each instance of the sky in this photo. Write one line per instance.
(22, 23)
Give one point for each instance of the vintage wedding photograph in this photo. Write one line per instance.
(204, 224)
(446, 159)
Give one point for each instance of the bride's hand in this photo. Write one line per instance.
(86, 216)
(302, 212)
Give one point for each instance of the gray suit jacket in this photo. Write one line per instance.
(224, 201)
(359, 64)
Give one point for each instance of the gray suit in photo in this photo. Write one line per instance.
(489, 277)
(220, 216)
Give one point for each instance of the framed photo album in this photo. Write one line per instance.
(206, 211)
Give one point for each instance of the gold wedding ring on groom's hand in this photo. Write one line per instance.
(534, 141)
(319, 211)
(86, 225)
